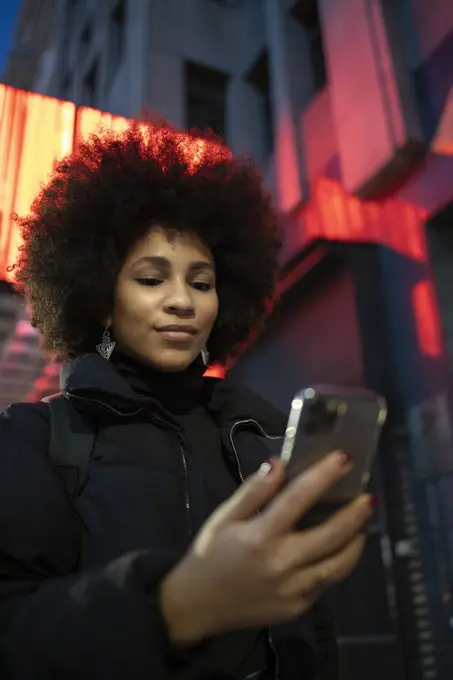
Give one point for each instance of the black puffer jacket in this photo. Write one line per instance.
(78, 581)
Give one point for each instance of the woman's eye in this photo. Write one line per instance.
(149, 281)
(202, 285)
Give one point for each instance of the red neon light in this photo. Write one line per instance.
(215, 371)
(333, 214)
(36, 131)
(426, 317)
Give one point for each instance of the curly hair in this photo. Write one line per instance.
(101, 200)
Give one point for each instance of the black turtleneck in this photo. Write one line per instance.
(185, 395)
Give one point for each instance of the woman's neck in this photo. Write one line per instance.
(177, 392)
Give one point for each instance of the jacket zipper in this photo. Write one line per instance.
(158, 419)
(260, 429)
(237, 424)
(186, 488)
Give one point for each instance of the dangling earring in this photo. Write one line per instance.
(106, 347)
(205, 356)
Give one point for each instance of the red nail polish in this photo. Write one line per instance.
(345, 458)
(373, 502)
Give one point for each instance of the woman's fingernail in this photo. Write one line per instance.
(344, 458)
(373, 502)
(265, 468)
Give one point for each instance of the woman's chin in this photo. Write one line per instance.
(170, 362)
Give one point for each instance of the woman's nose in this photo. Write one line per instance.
(180, 299)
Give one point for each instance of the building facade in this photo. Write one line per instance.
(347, 106)
(299, 84)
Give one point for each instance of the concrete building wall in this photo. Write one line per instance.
(32, 57)
(347, 90)
(433, 24)
(332, 75)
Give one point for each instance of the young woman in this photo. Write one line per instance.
(144, 253)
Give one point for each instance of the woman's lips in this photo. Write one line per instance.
(175, 332)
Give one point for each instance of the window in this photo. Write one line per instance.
(72, 6)
(259, 78)
(85, 37)
(66, 87)
(116, 37)
(206, 91)
(235, 4)
(70, 19)
(306, 12)
(90, 85)
(85, 43)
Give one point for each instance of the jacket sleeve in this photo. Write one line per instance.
(327, 662)
(56, 622)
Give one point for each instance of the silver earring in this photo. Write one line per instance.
(205, 356)
(106, 347)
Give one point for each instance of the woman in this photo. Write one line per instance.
(157, 249)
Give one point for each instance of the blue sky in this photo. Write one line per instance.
(8, 13)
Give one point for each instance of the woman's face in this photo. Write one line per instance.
(165, 300)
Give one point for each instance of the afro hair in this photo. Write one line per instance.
(102, 200)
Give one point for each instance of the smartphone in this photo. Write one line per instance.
(325, 419)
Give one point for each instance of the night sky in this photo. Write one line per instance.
(8, 13)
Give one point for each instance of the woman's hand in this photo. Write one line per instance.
(245, 570)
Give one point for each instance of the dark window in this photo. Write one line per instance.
(72, 6)
(84, 42)
(90, 85)
(259, 78)
(234, 4)
(85, 37)
(66, 87)
(206, 91)
(70, 19)
(306, 12)
(116, 37)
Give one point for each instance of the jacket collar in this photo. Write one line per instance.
(92, 377)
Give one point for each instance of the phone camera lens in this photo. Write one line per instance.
(321, 417)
